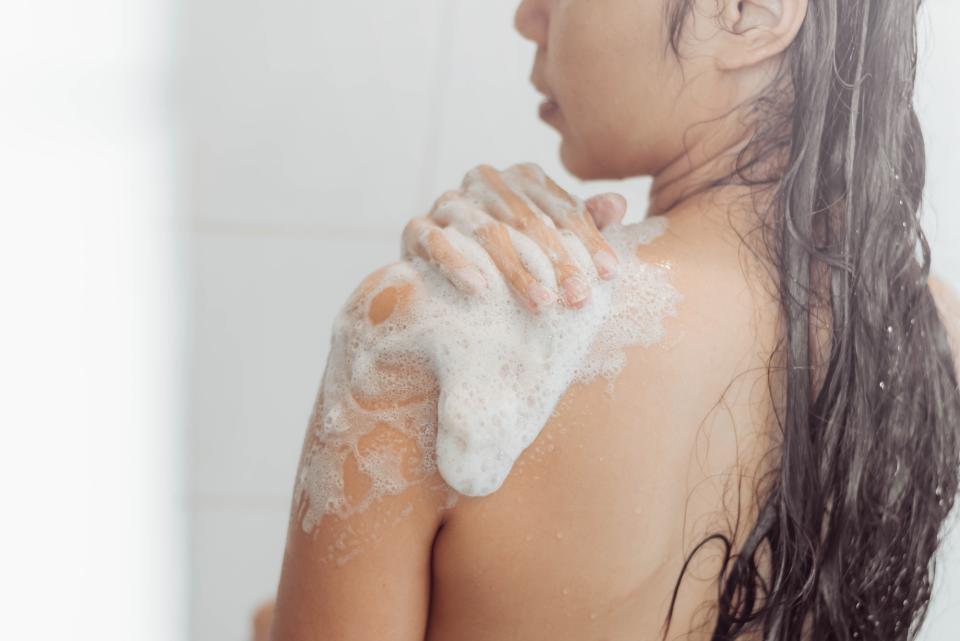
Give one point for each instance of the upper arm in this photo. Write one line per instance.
(361, 570)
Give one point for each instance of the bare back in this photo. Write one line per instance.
(588, 536)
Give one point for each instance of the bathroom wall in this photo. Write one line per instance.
(310, 132)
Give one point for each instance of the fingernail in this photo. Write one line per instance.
(576, 289)
(540, 295)
(607, 264)
(599, 204)
(472, 277)
(615, 203)
(602, 204)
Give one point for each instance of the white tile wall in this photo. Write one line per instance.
(237, 550)
(938, 95)
(313, 131)
(307, 111)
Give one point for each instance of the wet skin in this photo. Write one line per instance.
(587, 536)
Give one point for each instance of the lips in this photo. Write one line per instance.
(548, 108)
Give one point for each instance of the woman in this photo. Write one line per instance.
(781, 466)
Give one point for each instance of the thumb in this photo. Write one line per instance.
(606, 209)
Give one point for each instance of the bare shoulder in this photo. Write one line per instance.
(947, 300)
(367, 502)
(729, 302)
(371, 433)
(590, 530)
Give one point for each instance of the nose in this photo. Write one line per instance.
(532, 20)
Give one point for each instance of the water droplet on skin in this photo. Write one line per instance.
(559, 534)
(566, 590)
(593, 615)
(529, 537)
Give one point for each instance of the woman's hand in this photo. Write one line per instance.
(523, 198)
(262, 621)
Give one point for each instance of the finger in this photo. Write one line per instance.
(466, 216)
(458, 211)
(604, 258)
(446, 198)
(262, 621)
(606, 209)
(495, 239)
(516, 212)
(422, 237)
(567, 213)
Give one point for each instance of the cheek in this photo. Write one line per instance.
(600, 136)
(613, 85)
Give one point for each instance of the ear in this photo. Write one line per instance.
(756, 30)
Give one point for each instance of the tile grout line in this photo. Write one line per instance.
(207, 227)
(264, 502)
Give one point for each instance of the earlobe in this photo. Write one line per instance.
(756, 30)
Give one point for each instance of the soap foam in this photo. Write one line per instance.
(468, 382)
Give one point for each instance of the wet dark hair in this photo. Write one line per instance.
(850, 519)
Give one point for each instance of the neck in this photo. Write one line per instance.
(713, 155)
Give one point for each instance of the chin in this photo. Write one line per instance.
(576, 162)
(582, 165)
